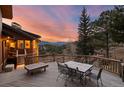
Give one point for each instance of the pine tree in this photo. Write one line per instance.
(112, 23)
(103, 22)
(117, 24)
(84, 44)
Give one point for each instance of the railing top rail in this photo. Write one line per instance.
(109, 59)
(90, 56)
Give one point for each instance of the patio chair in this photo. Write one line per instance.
(63, 71)
(79, 75)
(69, 74)
(97, 77)
(75, 74)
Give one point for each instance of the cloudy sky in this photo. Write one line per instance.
(53, 23)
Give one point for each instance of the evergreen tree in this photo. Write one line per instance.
(103, 29)
(117, 24)
(111, 21)
(84, 44)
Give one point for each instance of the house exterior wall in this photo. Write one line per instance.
(0, 41)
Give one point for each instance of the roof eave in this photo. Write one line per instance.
(20, 32)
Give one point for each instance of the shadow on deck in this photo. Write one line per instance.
(19, 78)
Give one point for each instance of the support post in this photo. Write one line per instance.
(1, 63)
(122, 71)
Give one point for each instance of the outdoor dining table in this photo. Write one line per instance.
(82, 67)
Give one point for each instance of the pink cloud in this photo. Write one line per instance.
(41, 23)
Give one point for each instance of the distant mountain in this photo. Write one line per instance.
(52, 43)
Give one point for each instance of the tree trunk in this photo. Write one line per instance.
(107, 44)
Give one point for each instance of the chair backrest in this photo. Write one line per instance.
(99, 74)
(78, 73)
(62, 68)
(69, 70)
(67, 67)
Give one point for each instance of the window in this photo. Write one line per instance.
(27, 44)
(12, 44)
(20, 44)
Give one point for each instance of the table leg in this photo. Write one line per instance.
(44, 68)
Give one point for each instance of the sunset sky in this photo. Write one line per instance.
(53, 23)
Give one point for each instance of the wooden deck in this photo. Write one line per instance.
(19, 78)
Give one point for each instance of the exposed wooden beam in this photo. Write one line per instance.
(6, 11)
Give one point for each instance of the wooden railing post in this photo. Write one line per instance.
(53, 57)
(63, 58)
(123, 74)
(86, 59)
(122, 71)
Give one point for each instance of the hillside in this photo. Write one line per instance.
(118, 53)
(52, 43)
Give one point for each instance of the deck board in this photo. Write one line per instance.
(19, 78)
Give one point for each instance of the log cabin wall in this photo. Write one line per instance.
(5, 12)
(0, 41)
(19, 42)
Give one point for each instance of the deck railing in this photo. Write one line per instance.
(110, 65)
